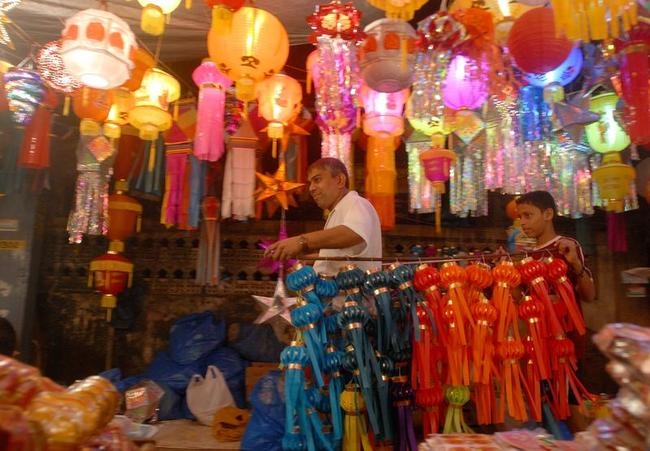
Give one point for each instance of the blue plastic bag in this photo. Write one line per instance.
(165, 370)
(233, 368)
(266, 425)
(194, 336)
(257, 343)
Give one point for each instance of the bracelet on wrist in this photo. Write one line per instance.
(304, 245)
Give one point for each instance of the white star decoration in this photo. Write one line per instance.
(278, 305)
(5, 7)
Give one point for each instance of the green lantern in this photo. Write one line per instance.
(606, 135)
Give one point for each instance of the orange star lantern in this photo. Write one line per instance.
(277, 188)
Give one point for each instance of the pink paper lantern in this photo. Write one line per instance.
(465, 86)
(209, 138)
(383, 112)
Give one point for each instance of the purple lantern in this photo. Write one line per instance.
(465, 86)
(209, 138)
(383, 112)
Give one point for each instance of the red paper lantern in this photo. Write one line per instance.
(124, 213)
(634, 73)
(35, 149)
(110, 274)
(533, 42)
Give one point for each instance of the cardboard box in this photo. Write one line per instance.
(635, 281)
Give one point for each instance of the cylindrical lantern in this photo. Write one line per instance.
(150, 113)
(436, 163)
(143, 61)
(97, 48)
(124, 214)
(92, 107)
(383, 112)
(152, 20)
(606, 135)
(387, 55)
(118, 115)
(465, 86)
(209, 138)
(110, 274)
(381, 177)
(635, 74)
(594, 20)
(129, 153)
(613, 179)
(564, 74)
(35, 149)
(256, 47)
(279, 100)
(24, 90)
(533, 43)
(222, 11)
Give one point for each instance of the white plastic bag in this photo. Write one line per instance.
(206, 395)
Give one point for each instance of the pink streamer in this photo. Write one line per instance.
(209, 140)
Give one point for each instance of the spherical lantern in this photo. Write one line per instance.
(279, 100)
(222, 11)
(97, 48)
(118, 115)
(465, 86)
(564, 74)
(606, 135)
(256, 46)
(209, 138)
(110, 274)
(533, 43)
(387, 55)
(152, 20)
(92, 107)
(150, 112)
(383, 112)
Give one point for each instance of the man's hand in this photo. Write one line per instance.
(284, 249)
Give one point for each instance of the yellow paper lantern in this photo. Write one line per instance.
(606, 135)
(152, 20)
(613, 179)
(150, 113)
(279, 100)
(118, 115)
(256, 46)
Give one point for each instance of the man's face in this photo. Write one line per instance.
(325, 188)
(532, 219)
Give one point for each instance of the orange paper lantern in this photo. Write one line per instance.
(124, 214)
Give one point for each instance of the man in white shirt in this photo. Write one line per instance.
(352, 228)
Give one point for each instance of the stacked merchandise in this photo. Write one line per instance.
(38, 414)
(627, 422)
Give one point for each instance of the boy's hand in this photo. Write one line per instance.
(569, 250)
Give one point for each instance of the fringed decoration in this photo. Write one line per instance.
(294, 361)
(426, 279)
(453, 277)
(457, 396)
(512, 380)
(332, 367)
(563, 367)
(355, 437)
(402, 395)
(430, 401)
(174, 183)
(531, 310)
(533, 381)
(209, 255)
(402, 276)
(485, 315)
(386, 368)
(151, 178)
(377, 285)
(479, 277)
(457, 358)
(557, 273)
(532, 274)
(505, 277)
(306, 317)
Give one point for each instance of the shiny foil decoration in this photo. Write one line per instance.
(25, 91)
(52, 70)
(422, 196)
(467, 192)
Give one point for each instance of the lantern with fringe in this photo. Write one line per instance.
(279, 100)
(92, 107)
(381, 177)
(613, 178)
(387, 55)
(150, 113)
(35, 149)
(154, 12)
(118, 115)
(97, 48)
(383, 112)
(436, 163)
(635, 72)
(110, 274)
(594, 19)
(256, 47)
(209, 141)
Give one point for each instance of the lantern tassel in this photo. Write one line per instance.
(66, 106)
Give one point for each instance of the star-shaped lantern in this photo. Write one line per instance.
(5, 7)
(278, 305)
(277, 188)
(573, 115)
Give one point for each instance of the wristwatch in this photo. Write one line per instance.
(304, 245)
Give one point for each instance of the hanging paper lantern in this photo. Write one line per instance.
(635, 89)
(97, 48)
(381, 178)
(152, 20)
(118, 115)
(124, 214)
(222, 11)
(606, 135)
(53, 72)
(400, 9)
(436, 163)
(92, 107)
(336, 20)
(35, 148)
(24, 93)
(110, 274)
(465, 86)
(143, 61)
(209, 137)
(383, 112)
(256, 46)
(594, 19)
(387, 55)
(150, 113)
(564, 74)
(533, 43)
(613, 179)
(427, 124)
(279, 100)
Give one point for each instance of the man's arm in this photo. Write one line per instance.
(338, 237)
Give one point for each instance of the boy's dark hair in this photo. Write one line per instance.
(539, 199)
(7, 337)
(333, 165)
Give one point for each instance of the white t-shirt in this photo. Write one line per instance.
(358, 214)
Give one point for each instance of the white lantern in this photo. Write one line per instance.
(97, 48)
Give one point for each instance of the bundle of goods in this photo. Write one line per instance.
(625, 424)
(36, 413)
(448, 338)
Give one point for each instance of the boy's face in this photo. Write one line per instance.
(533, 220)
